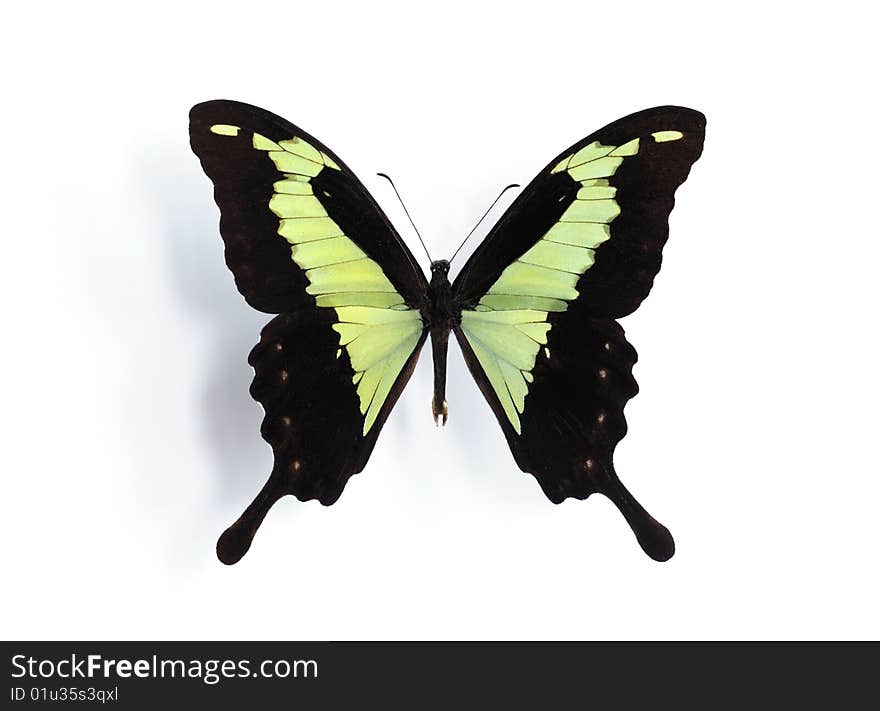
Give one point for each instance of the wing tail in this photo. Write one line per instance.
(236, 540)
(654, 538)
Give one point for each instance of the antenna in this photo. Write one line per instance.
(512, 185)
(382, 175)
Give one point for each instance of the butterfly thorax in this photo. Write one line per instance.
(441, 310)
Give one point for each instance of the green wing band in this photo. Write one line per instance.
(375, 326)
(509, 326)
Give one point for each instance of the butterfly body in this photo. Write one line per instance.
(442, 315)
(534, 309)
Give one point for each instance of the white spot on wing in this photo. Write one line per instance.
(222, 129)
(664, 136)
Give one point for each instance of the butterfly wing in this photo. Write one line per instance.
(305, 240)
(578, 249)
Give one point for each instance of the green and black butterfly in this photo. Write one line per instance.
(533, 309)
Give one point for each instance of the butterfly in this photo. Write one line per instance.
(534, 309)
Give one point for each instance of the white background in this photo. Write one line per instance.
(129, 438)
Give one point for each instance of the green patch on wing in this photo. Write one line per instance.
(506, 343)
(377, 329)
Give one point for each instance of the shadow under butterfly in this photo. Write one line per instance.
(534, 308)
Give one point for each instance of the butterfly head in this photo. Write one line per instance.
(441, 266)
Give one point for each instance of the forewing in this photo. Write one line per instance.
(607, 201)
(280, 190)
